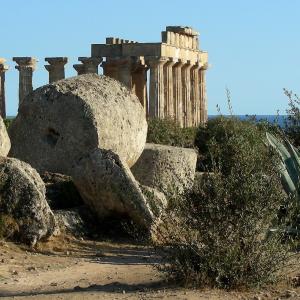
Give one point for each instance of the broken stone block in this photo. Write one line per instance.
(170, 170)
(23, 205)
(107, 185)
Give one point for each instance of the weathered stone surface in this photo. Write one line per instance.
(156, 200)
(4, 139)
(170, 170)
(107, 185)
(71, 221)
(60, 122)
(22, 198)
(61, 192)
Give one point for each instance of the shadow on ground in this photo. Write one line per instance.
(114, 287)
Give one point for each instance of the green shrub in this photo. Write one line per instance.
(292, 124)
(220, 234)
(168, 132)
(213, 140)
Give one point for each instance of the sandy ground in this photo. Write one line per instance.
(69, 268)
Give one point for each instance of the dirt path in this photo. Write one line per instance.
(77, 269)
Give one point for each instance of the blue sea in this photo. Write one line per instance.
(278, 119)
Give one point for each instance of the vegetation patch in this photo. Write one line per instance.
(227, 233)
(168, 132)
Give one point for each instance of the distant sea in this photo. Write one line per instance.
(279, 119)
(270, 118)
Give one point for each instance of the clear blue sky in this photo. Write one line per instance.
(254, 46)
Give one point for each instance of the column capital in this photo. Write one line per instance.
(205, 66)
(179, 63)
(153, 61)
(196, 67)
(25, 63)
(79, 68)
(139, 64)
(90, 64)
(91, 60)
(187, 64)
(3, 67)
(56, 60)
(171, 62)
(56, 68)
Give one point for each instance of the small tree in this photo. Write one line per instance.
(292, 124)
(220, 234)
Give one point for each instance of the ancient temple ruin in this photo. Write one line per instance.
(168, 77)
(177, 73)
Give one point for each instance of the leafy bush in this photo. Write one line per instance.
(216, 140)
(292, 124)
(220, 234)
(168, 132)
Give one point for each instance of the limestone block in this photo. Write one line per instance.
(60, 122)
(107, 185)
(23, 203)
(4, 139)
(77, 221)
(168, 169)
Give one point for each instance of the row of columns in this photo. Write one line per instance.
(132, 72)
(56, 68)
(178, 91)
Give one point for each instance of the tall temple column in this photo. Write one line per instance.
(110, 68)
(26, 66)
(56, 68)
(90, 64)
(156, 99)
(203, 97)
(186, 93)
(3, 69)
(139, 83)
(195, 95)
(124, 69)
(168, 86)
(177, 92)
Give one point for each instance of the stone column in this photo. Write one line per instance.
(110, 69)
(124, 70)
(186, 94)
(3, 69)
(156, 99)
(195, 95)
(56, 68)
(177, 92)
(90, 64)
(139, 83)
(168, 86)
(203, 98)
(26, 67)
